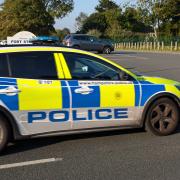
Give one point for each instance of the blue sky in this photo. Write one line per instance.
(86, 6)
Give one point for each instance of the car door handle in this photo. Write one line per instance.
(10, 91)
(84, 90)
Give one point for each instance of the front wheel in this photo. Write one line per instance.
(107, 50)
(4, 133)
(163, 117)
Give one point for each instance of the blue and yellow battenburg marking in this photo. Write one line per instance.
(38, 95)
(103, 96)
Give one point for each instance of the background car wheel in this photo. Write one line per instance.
(107, 50)
(163, 117)
(4, 133)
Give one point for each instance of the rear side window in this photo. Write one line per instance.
(3, 66)
(33, 65)
(83, 38)
(67, 37)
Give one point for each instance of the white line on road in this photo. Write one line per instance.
(137, 57)
(28, 163)
(128, 56)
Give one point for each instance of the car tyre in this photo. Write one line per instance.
(162, 117)
(4, 133)
(107, 50)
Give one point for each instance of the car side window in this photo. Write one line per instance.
(4, 71)
(82, 38)
(32, 65)
(87, 67)
(93, 39)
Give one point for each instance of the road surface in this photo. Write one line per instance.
(125, 154)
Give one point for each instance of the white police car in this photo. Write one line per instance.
(46, 90)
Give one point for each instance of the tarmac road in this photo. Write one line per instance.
(125, 154)
(154, 64)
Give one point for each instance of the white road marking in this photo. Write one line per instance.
(137, 57)
(28, 163)
(128, 56)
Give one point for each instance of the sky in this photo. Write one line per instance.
(86, 6)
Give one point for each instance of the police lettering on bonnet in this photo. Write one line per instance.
(62, 116)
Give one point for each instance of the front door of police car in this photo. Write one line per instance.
(40, 93)
(99, 97)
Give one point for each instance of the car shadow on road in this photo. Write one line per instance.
(30, 144)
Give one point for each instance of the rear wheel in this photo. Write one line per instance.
(163, 117)
(4, 133)
(107, 50)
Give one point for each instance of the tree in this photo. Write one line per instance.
(105, 5)
(107, 14)
(158, 12)
(61, 33)
(80, 20)
(95, 21)
(36, 16)
(58, 8)
(133, 22)
(15, 17)
(171, 17)
(94, 32)
(114, 31)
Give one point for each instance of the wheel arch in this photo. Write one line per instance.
(153, 99)
(15, 133)
(106, 46)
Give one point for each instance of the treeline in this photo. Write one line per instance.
(147, 20)
(36, 16)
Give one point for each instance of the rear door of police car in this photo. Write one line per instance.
(33, 92)
(99, 97)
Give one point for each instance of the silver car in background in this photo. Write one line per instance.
(88, 43)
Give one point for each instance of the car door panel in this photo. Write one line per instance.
(102, 103)
(43, 105)
(38, 105)
(106, 104)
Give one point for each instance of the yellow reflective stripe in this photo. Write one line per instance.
(58, 66)
(65, 67)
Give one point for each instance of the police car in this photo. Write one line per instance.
(56, 90)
